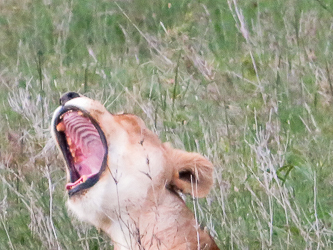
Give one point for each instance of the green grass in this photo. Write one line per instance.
(247, 84)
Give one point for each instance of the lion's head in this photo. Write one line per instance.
(121, 177)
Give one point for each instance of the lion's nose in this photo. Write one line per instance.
(68, 96)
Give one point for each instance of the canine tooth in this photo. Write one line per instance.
(72, 150)
(84, 178)
(80, 113)
(61, 127)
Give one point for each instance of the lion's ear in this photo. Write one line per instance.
(193, 174)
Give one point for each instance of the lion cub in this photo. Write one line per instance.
(123, 180)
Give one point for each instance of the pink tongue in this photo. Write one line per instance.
(92, 161)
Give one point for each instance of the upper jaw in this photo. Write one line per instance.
(79, 182)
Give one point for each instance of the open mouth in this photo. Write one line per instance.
(84, 147)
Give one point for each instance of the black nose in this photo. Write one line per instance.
(68, 96)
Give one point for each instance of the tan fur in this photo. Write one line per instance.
(136, 201)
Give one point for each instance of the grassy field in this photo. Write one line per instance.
(249, 84)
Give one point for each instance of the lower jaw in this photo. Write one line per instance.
(81, 180)
(70, 186)
(79, 187)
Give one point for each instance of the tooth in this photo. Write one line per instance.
(69, 141)
(84, 178)
(61, 127)
(80, 113)
(72, 150)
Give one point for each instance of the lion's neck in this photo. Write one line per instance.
(163, 224)
(124, 236)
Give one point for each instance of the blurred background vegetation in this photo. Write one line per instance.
(246, 83)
